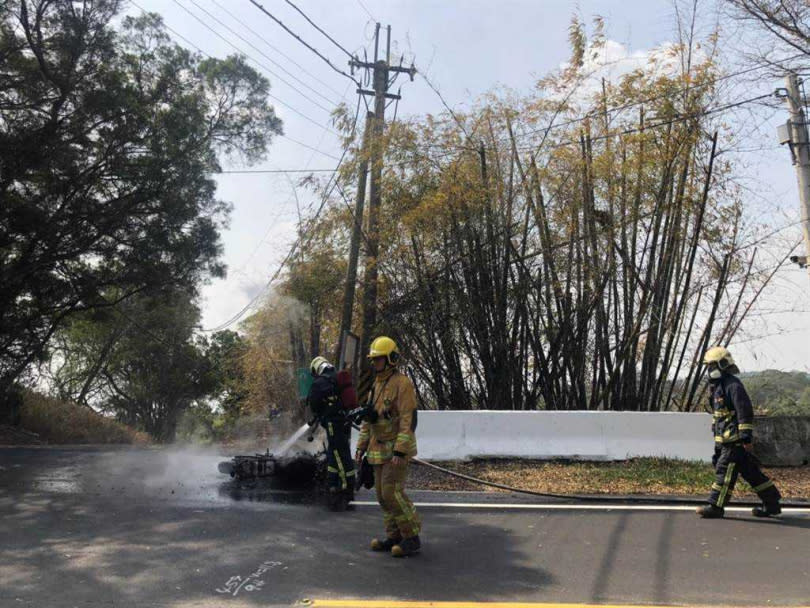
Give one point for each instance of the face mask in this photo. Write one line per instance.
(715, 374)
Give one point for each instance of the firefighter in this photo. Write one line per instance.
(733, 430)
(388, 441)
(324, 400)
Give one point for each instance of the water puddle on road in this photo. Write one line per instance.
(59, 480)
(183, 477)
(265, 491)
(57, 486)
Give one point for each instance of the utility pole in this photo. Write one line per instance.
(357, 232)
(795, 135)
(381, 70)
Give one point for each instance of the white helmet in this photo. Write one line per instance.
(319, 365)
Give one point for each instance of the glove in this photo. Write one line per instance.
(715, 456)
(359, 414)
(364, 476)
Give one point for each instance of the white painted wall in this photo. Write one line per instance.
(577, 435)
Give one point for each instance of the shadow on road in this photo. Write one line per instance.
(662, 561)
(611, 550)
(785, 520)
(121, 541)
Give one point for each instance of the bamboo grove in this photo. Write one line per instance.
(578, 267)
(576, 248)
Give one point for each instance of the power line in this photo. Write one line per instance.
(704, 112)
(678, 119)
(363, 6)
(445, 104)
(313, 24)
(276, 49)
(314, 149)
(175, 32)
(330, 186)
(266, 56)
(326, 129)
(460, 148)
(301, 40)
(601, 112)
(261, 171)
(658, 125)
(269, 95)
(274, 222)
(216, 33)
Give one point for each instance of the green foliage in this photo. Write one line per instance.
(199, 424)
(654, 473)
(107, 143)
(778, 393)
(142, 363)
(139, 363)
(224, 351)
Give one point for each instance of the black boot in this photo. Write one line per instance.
(408, 546)
(770, 498)
(767, 510)
(710, 511)
(384, 545)
(348, 498)
(336, 501)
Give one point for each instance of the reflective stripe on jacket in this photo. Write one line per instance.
(395, 402)
(733, 416)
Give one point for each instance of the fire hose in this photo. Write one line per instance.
(571, 498)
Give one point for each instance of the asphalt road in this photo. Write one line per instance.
(148, 528)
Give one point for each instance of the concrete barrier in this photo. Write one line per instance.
(581, 435)
(460, 435)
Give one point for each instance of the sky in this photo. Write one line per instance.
(466, 48)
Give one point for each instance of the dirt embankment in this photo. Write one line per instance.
(46, 420)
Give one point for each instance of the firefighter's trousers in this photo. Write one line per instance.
(732, 461)
(339, 463)
(399, 514)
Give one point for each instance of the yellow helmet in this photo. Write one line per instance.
(384, 347)
(722, 357)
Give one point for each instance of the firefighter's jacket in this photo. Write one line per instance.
(323, 398)
(733, 416)
(394, 399)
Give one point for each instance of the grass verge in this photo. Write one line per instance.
(650, 476)
(61, 422)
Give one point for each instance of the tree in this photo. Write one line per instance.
(225, 352)
(141, 363)
(145, 365)
(107, 143)
(316, 279)
(269, 364)
(786, 21)
(779, 393)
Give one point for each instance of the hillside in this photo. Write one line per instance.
(779, 393)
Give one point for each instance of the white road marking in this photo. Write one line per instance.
(572, 507)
